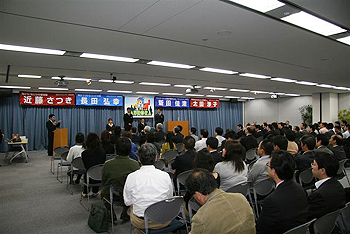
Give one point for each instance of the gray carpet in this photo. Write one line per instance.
(33, 201)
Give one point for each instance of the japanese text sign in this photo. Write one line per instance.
(47, 99)
(84, 99)
(172, 102)
(141, 106)
(204, 103)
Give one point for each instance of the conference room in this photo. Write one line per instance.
(119, 68)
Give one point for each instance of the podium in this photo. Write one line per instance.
(170, 125)
(60, 138)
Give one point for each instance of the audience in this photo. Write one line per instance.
(304, 160)
(240, 131)
(145, 187)
(323, 128)
(280, 142)
(93, 155)
(110, 126)
(106, 142)
(168, 144)
(292, 146)
(159, 134)
(184, 162)
(75, 152)
(214, 215)
(322, 142)
(135, 138)
(205, 161)
(193, 133)
(212, 147)
(249, 142)
(132, 154)
(335, 145)
(330, 194)
(218, 134)
(177, 136)
(346, 133)
(232, 169)
(144, 133)
(116, 135)
(202, 143)
(141, 126)
(287, 206)
(115, 172)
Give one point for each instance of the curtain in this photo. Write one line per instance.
(31, 120)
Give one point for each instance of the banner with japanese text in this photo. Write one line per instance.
(172, 102)
(86, 99)
(47, 99)
(141, 106)
(204, 103)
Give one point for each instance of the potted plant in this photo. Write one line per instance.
(344, 114)
(306, 113)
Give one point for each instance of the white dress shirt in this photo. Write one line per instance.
(74, 152)
(320, 182)
(346, 134)
(201, 144)
(145, 187)
(220, 139)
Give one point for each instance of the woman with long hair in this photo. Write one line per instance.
(106, 142)
(232, 169)
(168, 144)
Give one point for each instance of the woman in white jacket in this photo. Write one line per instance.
(75, 152)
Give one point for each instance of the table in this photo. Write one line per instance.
(22, 143)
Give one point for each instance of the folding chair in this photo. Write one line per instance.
(305, 178)
(80, 170)
(250, 155)
(169, 156)
(110, 156)
(193, 205)
(180, 147)
(94, 173)
(326, 223)
(57, 156)
(160, 164)
(345, 214)
(262, 188)
(242, 189)
(342, 169)
(301, 229)
(165, 211)
(62, 164)
(181, 178)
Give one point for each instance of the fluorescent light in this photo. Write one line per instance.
(240, 90)
(215, 70)
(258, 92)
(109, 57)
(154, 84)
(70, 78)
(280, 93)
(254, 75)
(14, 87)
(305, 83)
(119, 91)
(29, 76)
(214, 96)
(166, 64)
(345, 40)
(173, 94)
(325, 86)
(183, 86)
(231, 97)
(340, 88)
(117, 81)
(283, 80)
(147, 92)
(194, 95)
(89, 90)
(260, 5)
(247, 98)
(292, 95)
(313, 23)
(31, 49)
(216, 88)
(48, 88)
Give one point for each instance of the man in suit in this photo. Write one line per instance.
(221, 212)
(128, 118)
(134, 137)
(322, 142)
(177, 136)
(159, 117)
(280, 142)
(212, 147)
(141, 126)
(51, 126)
(287, 206)
(304, 160)
(335, 145)
(249, 142)
(330, 194)
(240, 131)
(218, 134)
(159, 134)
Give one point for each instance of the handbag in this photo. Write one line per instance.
(98, 218)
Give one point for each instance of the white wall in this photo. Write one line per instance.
(280, 109)
(344, 101)
(329, 107)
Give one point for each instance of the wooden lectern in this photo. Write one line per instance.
(170, 125)
(60, 138)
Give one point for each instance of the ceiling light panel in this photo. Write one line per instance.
(194, 95)
(109, 57)
(29, 76)
(152, 93)
(14, 87)
(89, 90)
(340, 88)
(231, 97)
(325, 86)
(214, 96)
(154, 84)
(305, 83)
(283, 80)
(215, 70)
(215, 88)
(292, 95)
(260, 5)
(259, 92)
(313, 23)
(183, 86)
(247, 98)
(119, 91)
(166, 64)
(117, 81)
(345, 40)
(240, 90)
(31, 49)
(49, 88)
(173, 94)
(255, 76)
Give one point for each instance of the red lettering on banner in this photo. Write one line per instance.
(47, 99)
(204, 103)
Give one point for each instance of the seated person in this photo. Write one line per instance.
(202, 143)
(135, 138)
(218, 134)
(106, 142)
(177, 136)
(145, 187)
(141, 125)
(133, 150)
(286, 207)
(146, 130)
(168, 144)
(117, 169)
(322, 142)
(75, 152)
(258, 171)
(330, 194)
(249, 142)
(93, 155)
(212, 147)
(335, 145)
(193, 133)
(232, 169)
(292, 146)
(220, 212)
(280, 142)
(159, 134)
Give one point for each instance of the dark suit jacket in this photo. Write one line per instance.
(240, 134)
(109, 128)
(183, 162)
(304, 160)
(160, 136)
(323, 148)
(158, 118)
(283, 209)
(178, 138)
(92, 158)
(338, 152)
(141, 126)
(330, 133)
(217, 157)
(258, 134)
(135, 138)
(249, 142)
(329, 197)
(51, 127)
(127, 119)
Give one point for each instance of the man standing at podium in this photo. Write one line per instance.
(51, 126)
(159, 117)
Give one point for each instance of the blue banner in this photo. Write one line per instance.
(172, 102)
(87, 99)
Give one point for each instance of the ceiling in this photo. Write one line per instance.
(178, 31)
